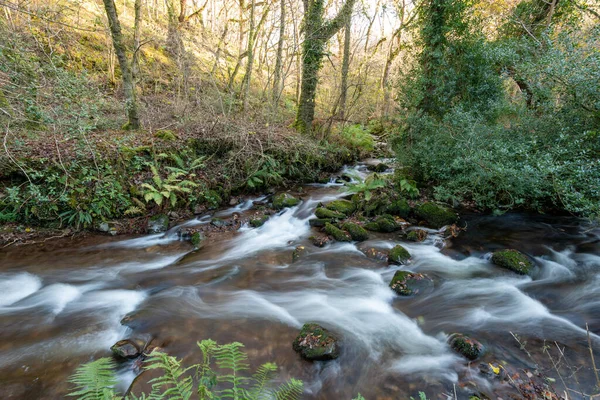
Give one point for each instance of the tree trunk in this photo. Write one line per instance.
(345, 69)
(277, 86)
(250, 52)
(120, 51)
(316, 34)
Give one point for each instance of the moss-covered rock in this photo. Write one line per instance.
(466, 346)
(372, 226)
(400, 208)
(376, 205)
(166, 135)
(387, 224)
(324, 213)
(381, 167)
(196, 239)
(258, 222)
(513, 260)
(436, 215)
(158, 223)
(318, 222)
(337, 234)
(283, 200)
(315, 343)
(345, 207)
(417, 235)
(398, 255)
(356, 231)
(406, 283)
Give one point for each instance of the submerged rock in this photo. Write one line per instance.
(381, 167)
(126, 349)
(436, 215)
(321, 240)
(284, 200)
(513, 260)
(197, 238)
(324, 213)
(345, 207)
(315, 343)
(356, 231)
(375, 254)
(398, 255)
(258, 222)
(219, 223)
(337, 234)
(406, 283)
(158, 224)
(298, 252)
(464, 345)
(417, 235)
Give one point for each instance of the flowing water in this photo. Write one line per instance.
(64, 305)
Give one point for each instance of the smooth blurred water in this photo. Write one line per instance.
(64, 307)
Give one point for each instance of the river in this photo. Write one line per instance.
(67, 304)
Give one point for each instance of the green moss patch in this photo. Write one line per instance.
(258, 222)
(417, 235)
(435, 215)
(513, 260)
(284, 200)
(345, 207)
(406, 283)
(356, 231)
(398, 255)
(323, 212)
(337, 234)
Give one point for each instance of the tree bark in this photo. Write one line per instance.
(316, 34)
(277, 86)
(345, 69)
(120, 50)
(250, 52)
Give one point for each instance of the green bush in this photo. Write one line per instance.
(357, 137)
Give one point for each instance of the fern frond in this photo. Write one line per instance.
(232, 358)
(291, 390)
(133, 210)
(94, 380)
(261, 378)
(173, 384)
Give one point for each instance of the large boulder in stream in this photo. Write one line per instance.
(513, 260)
(345, 207)
(283, 200)
(406, 283)
(158, 223)
(417, 235)
(398, 255)
(466, 346)
(337, 234)
(315, 343)
(435, 215)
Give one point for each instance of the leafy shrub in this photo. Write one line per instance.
(357, 137)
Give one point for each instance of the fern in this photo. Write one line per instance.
(261, 378)
(291, 390)
(371, 183)
(94, 380)
(230, 357)
(174, 384)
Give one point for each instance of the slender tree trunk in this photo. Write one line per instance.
(345, 69)
(250, 51)
(277, 86)
(128, 84)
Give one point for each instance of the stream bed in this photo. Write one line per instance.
(63, 306)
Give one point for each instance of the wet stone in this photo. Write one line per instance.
(406, 283)
(465, 346)
(126, 349)
(158, 224)
(315, 343)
